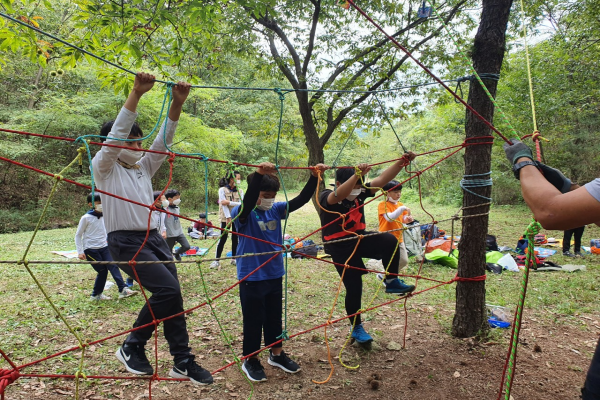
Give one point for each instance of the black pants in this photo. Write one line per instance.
(261, 309)
(591, 389)
(161, 280)
(379, 247)
(578, 233)
(182, 240)
(234, 241)
(103, 255)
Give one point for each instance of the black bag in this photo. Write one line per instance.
(490, 243)
(310, 250)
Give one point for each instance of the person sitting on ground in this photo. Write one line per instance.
(230, 196)
(128, 173)
(261, 289)
(392, 215)
(558, 204)
(90, 241)
(577, 233)
(173, 224)
(347, 199)
(199, 228)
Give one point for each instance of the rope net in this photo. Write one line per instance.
(215, 302)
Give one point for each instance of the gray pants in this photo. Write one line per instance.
(181, 239)
(161, 280)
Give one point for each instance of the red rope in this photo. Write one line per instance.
(420, 64)
(7, 376)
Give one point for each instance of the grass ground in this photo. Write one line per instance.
(32, 330)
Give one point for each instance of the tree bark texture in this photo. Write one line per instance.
(488, 54)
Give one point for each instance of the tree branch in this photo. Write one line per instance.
(311, 39)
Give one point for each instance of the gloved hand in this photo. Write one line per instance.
(556, 178)
(516, 151)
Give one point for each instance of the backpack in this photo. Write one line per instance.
(490, 243)
(429, 232)
(308, 248)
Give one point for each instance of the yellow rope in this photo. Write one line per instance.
(57, 178)
(535, 128)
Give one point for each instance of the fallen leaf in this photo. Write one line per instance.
(457, 374)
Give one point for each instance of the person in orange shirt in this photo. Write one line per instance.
(392, 214)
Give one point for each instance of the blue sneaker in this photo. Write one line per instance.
(398, 286)
(360, 335)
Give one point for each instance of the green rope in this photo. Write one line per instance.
(532, 230)
(209, 301)
(477, 76)
(284, 334)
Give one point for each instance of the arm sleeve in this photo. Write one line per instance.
(593, 188)
(79, 235)
(104, 160)
(391, 216)
(251, 197)
(235, 203)
(162, 227)
(305, 195)
(152, 161)
(223, 207)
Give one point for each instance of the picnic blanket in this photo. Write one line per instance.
(67, 253)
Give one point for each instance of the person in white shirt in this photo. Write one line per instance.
(131, 233)
(161, 203)
(558, 204)
(230, 196)
(90, 241)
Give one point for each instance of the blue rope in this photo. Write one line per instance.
(475, 183)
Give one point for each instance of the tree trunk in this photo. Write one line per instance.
(488, 53)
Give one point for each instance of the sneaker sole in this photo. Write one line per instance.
(175, 374)
(404, 292)
(274, 364)
(128, 295)
(249, 377)
(127, 367)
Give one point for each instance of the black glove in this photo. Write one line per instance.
(555, 177)
(517, 150)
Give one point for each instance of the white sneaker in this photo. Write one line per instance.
(101, 296)
(381, 278)
(126, 292)
(215, 264)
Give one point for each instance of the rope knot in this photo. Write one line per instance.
(132, 263)
(280, 93)
(357, 171)
(537, 136)
(284, 335)
(58, 177)
(170, 84)
(80, 374)
(7, 377)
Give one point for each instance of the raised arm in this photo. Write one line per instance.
(253, 191)
(544, 195)
(104, 160)
(152, 161)
(308, 190)
(345, 188)
(391, 172)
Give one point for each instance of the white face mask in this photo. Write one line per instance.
(98, 208)
(265, 204)
(165, 203)
(353, 194)
(129, 156)
(392, 200)
(237, 182)
(176, 202)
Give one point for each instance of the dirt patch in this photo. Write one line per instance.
(552, 361)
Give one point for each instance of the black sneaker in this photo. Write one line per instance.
(284, 362)
(188, 369)
(567, 253)
(134, 359)
(254, 370)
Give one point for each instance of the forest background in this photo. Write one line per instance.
(46, 87)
